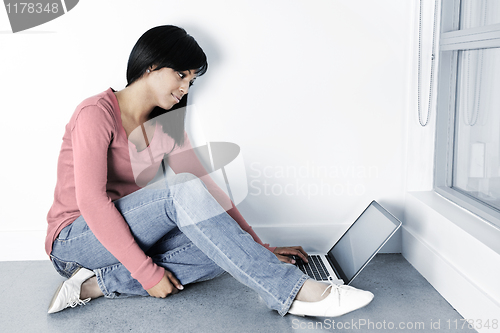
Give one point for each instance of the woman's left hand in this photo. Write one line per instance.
(283, 253)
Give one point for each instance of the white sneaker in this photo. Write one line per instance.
(342, 299)
(68, 293)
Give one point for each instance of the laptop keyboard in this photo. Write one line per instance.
(314, 268)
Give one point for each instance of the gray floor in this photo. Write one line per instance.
(402, 297)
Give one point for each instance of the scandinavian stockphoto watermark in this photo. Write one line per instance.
(223, 161)
(310, 179)
(27, 14)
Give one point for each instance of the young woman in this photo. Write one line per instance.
(112, 236)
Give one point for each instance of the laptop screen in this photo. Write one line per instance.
(362, 241)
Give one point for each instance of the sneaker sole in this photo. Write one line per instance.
(58, 290)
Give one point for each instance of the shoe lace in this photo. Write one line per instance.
(334, 287)
(77, 301)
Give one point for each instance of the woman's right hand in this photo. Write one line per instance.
(167, 285)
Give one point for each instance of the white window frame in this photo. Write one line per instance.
(453, 40)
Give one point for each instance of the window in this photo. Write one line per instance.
(467, 164)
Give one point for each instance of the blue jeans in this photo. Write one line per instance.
(182, 228)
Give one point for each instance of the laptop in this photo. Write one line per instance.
(354, 250)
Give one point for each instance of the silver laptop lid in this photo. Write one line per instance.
(364, 238)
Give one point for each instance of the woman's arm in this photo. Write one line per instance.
(91, 135)
(184, 159)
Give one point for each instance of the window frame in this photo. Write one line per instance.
(451, 41)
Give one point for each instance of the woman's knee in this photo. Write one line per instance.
(184, 180)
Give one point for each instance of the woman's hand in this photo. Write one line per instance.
(283, 253)
(167, 285)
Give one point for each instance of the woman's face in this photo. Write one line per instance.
(168, 86)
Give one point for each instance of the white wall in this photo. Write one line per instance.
(298, 85)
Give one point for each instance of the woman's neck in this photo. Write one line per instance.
(134, 103)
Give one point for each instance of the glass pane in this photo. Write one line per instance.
(478, 13)
(476, 169)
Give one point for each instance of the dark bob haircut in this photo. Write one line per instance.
(172, 47)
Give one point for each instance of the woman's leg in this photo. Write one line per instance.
(183, 202)
(76, 246)
(174, 252)
(215, 233)
(177, 253)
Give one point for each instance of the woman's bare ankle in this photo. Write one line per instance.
(312, 291)
(90, 289)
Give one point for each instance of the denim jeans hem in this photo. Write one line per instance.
(102, 286)
(292, 296)
(63, 267)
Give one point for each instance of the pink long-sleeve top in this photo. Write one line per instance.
(96, 166)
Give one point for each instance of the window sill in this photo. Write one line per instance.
(475, 226)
